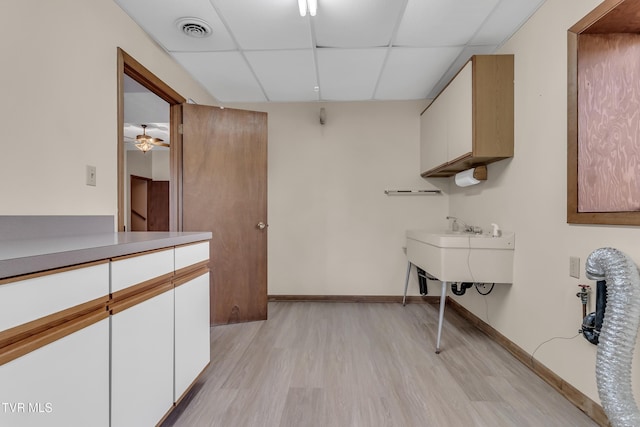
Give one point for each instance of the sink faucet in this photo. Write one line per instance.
(467, 228)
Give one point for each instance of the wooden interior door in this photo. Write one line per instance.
(224, 181)
(158, 206)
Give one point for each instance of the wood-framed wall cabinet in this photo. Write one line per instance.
(470, 123)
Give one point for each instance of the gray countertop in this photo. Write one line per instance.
(26, 256)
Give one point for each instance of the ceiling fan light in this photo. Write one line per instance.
(302, 5)
(144, 146)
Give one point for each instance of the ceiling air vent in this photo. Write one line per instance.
(194, 27)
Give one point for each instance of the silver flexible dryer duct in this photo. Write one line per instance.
(618, 334)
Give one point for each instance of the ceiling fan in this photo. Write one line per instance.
(145, 142)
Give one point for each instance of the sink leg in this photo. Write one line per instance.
(443, 300)
(406, 283)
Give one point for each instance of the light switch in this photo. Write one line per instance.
(574, 267)
(91, 175)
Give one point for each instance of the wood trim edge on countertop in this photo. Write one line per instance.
(122, 304)
(139, 288)
(189, 269)
(34, 342)
(54, 320)
(137, 254)
(190, 275)
(35, 275)
(191, 244)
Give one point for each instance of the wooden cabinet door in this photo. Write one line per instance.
(158, 206)
(224, 159)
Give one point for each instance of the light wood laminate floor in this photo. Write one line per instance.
(341, 364)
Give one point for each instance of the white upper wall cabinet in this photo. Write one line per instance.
(434, 152)
(470, 123)
(460, 114)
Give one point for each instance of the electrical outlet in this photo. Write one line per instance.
(91, 175)
(574, 267)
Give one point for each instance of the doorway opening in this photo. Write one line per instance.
(133, 76)
(147, 171)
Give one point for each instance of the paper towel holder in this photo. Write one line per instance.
(480, 173)
(471, 176)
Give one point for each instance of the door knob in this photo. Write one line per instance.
(261, 225)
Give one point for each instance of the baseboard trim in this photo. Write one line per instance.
(573, 395)
(356, 298)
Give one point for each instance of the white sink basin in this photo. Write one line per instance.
(462, 257)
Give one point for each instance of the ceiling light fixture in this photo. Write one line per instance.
(145, 142)
(308, 5)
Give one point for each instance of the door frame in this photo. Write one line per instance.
(127, 65)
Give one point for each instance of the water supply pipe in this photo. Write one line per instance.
(618, 334)
(584, 298)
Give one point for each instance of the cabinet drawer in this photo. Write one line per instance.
(191, 254)
(38, 296)
(129, 271)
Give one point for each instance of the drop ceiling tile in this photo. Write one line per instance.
(429, 23)
(285, 75)
(353, 38)
(510, 15)
(349, 74)
(158, 19)
(356, 23)
(225, 75)
(266, 24)
(411, 73)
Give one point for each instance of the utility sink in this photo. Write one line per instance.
(463, 257)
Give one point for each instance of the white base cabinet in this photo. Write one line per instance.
(64, 383)
(112, 343)
(142, 362)
(192, 352)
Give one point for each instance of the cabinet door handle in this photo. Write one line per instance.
(261, 225)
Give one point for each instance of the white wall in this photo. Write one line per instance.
(160, 168)
(527, 194)
(58, 83)
(332, 230)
